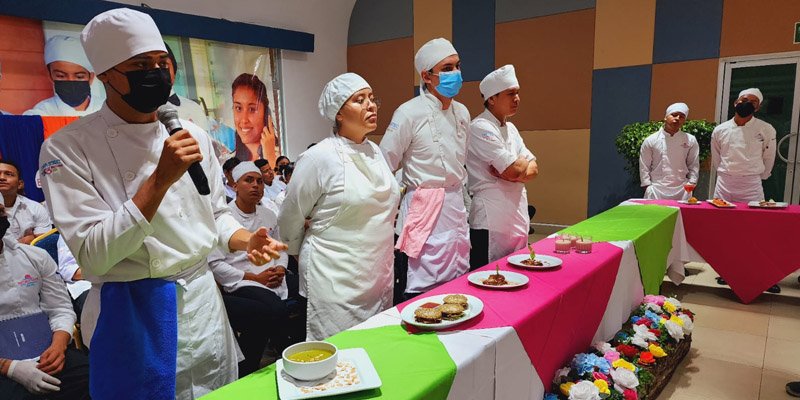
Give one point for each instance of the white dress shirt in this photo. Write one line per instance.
(30, 285)
(229, 268)
(27, 214)
(744, 150)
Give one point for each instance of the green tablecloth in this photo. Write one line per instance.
(649, 227)
(410, 367)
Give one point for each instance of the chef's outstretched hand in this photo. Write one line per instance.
(180, 151)
(262, 248)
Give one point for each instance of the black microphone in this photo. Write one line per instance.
(168, 116)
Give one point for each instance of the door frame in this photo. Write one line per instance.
(726, 65)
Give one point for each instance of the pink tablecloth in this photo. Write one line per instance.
(557, 313)
(751, 248)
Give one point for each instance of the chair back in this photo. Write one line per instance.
(49, 242)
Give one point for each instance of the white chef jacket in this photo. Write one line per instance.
(492, 145)
(272, 191)
(57, 108)
(667, 162)
(67, 266)
(27, 214)
(744, 150)
(230, 192)
(229, 268)
(430, 145)
(30, 286)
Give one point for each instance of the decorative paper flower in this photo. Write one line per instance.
(621, 336)
(602, 386)
(675, 330)
(627, 350)
(623, 364)
(669, 307)
(689, 313)
(561, 373)
(646, 358)
(565, 388)
(644, 321)
(642, 335)
(602, 347)
(657, 351)
(676, 319)
(599, 375)
(674, 302)
(635, 319)
(551, 396)
(656, 299)
(624, 379)
(655, 332)
(688, 324)
(630, 394)
(587, 362)
(653, 307)
(584, 390)
(611, 356)
(655, 318)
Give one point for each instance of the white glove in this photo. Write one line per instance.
(37, 382)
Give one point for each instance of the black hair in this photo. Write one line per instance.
(260, 163)
(13, 164)
(230, 164)
(287, 169)
(281, 158)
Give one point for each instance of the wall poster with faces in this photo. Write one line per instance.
(230, 90)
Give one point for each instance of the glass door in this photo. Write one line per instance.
(779, 81)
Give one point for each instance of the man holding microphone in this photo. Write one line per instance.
(118, 190)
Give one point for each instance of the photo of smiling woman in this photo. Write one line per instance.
(255, 132)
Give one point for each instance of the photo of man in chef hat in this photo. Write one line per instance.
(73, 78)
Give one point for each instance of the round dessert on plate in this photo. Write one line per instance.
(547, 262)
(433, 312)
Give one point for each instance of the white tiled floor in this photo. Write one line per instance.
(739, 351)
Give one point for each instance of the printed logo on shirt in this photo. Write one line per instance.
(51, 166)
(392, 126)
(486, 135)
(28, 281)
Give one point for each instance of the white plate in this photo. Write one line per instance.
(691, 204)
(290, 388)
(730, 205)
(514, 279)
(475, 307)
(548, 261)
(778, 204)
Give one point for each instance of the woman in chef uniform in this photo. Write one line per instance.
(344, 186)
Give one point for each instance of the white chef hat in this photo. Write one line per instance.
(499, 80)
(432, 53)
(66, 48)
(244, 168)
(337, 91)
(678, 107)
(117, 35)
(754, 92)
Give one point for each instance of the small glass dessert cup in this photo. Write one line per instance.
(584, 245)
(563, 243)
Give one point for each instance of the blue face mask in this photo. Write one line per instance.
(449, 83)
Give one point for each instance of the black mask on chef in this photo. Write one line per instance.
(72, 92)
(149, 88)
(745, 109)
(4, 224)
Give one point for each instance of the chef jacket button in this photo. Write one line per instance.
(129, 176)
(112, 133)
(155, 263)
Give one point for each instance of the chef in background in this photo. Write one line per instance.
(669, 158)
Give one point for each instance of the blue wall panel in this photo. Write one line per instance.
(512, 10)
(378, 20)
(473, 37)
(620, 96)
(687, 30)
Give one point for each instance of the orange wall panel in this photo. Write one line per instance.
(24, 80)
(624, 32)
(432, 19)
(385, 66)
(470, 96)
(690, 82)
(561, 191)
(761, 27)
(553, 60)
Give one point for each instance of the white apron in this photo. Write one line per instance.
(662, 192)
(739, 189)
(348, 265)
(505, 209)
(208, 354)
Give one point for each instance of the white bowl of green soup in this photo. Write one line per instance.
(308, 361)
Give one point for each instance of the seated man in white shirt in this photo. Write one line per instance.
(254, 295)
(227, 169)
(28, 218)
(35, 296)
(272, 187)
(71, 273)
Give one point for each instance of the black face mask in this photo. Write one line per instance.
(72, 92)
(4, 224)
(149, 89)
(745, 109)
